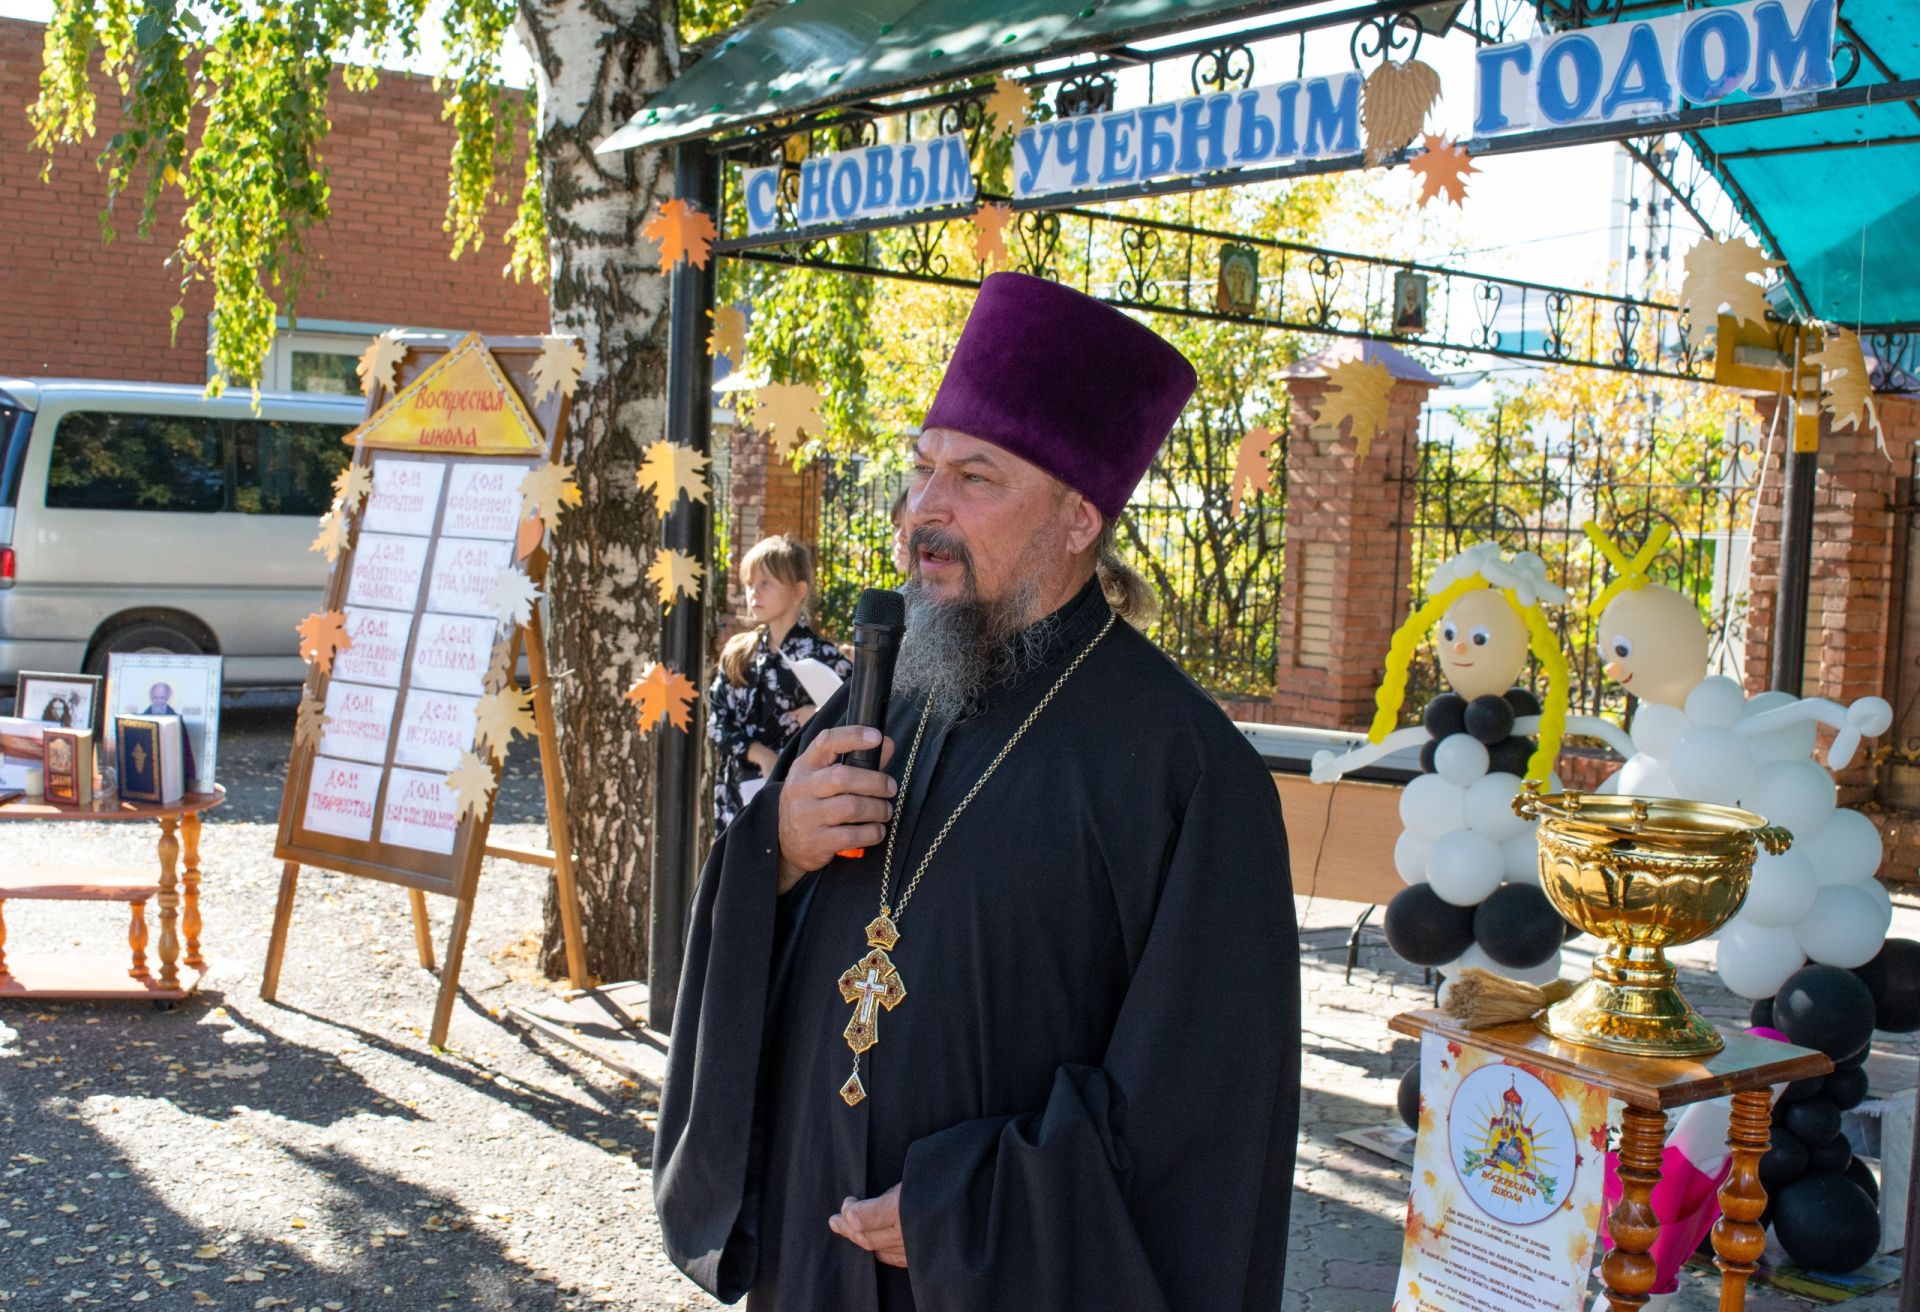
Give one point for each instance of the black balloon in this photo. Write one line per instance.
(1509, 756)
(1426, 755)
(1815, 1121)
(1833, 1155)
(1761, 1014)
(1408, 1099)
(1893, 977)
(1858, 1172)
(1801, 1090)
(1425, 928)
(1571, 932)
(1517, 927)
(1446, 715)
(1785, 1161)
(1847, 1088)
(1490, 719)
(1826, 1222)
(1523, 701)
(1827, 1008)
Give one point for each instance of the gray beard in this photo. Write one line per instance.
(955, 651)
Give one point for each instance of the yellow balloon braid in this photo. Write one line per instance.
(1541, 639)
(1628, 575)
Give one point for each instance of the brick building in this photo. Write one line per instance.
(79, 307)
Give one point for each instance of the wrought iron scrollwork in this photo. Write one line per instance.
(1850, 48)
(1089, 93)
(1038, 232)
(1562, 14)
(1626, 327)
(1559, 309)
(1892, 370)
(1323, 276)
(968, 116)
(1487, 299)
(923, 256)
(1384, 36)
(1222, 67)
(1139, 247)
(855, 131)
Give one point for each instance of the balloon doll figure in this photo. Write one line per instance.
(1473, 896)
(1809, 943)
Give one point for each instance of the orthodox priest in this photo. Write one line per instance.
(1037, 1047)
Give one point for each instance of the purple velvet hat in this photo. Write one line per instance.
(1063, 381)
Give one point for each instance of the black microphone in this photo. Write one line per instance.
(879, 618)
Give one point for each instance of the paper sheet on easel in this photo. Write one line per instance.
(817, 678)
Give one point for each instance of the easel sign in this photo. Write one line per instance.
(437, 547)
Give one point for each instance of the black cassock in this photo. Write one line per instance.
(1090, 1093)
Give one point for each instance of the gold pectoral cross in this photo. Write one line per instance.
(871, 984)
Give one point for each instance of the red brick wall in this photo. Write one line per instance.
(766, 496)
(76, 306)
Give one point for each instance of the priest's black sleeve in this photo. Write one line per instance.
(1162, 1178)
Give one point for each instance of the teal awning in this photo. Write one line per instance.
(813, 53)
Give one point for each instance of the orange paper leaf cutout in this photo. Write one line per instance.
(662, 692)
(332, 538)
(1443, 169)
(989, 239)
(548, 490)
(472, 782)
(323, 635)
(352, 486)
(533, 531)
(379, 361)
(729, 335)
(1008, 105)
(1843, 371)
(1250, 467)
(783, 411)
(675, 574)
(1394, 102)
(498, 716)
(558, 367)
(311, 720)
(1361, 392)
(1719, 273)
(671, 468)
(684, 233)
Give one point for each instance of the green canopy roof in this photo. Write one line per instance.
(817, 52)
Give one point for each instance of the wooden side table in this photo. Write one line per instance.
(176, 894)
(1649, 1088)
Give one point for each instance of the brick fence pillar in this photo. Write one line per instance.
(1349, 548)
(766, 495)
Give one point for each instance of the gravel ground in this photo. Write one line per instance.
(317, 1154)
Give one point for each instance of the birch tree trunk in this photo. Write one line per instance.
(594, 61)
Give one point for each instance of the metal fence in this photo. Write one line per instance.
(1534, 493)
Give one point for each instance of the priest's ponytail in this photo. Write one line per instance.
(1130, 595)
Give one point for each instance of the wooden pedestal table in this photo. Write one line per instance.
(176, 893)
(1650, 1087)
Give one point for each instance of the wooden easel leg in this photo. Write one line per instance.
(190, 889)
(550, 775)
(450, 972)
(3, 938)
(422, 931)
(169, 901)
(1628, 1273)
(277, 941)
(1738, 1239)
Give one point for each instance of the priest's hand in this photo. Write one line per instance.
(874, 1224)
(826, 807)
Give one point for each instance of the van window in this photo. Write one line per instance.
(113, 461)
(16, 425)
(108, 461)
(284, 467)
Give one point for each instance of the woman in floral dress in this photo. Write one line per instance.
(757, 703)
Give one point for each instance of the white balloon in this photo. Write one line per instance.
(1554, 783)
(1716, 702)
(1522, 859)
(1610, 785)
(1755, 960)
(1844, 850)
(1430, 806)
(1460, 759)
(1490, 807)
(1793, 743)
(1473, 957)
(1847, 925)
(1544, 973)
(1712, 764)
(1465, 867)
(1445, 991)
(1410, 852)
(1645, 776)
(1658, 729)
(1782, 890)
(1796, 795)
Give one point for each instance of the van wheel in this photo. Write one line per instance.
(140, 636)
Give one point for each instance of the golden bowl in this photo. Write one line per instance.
(1644, 874)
